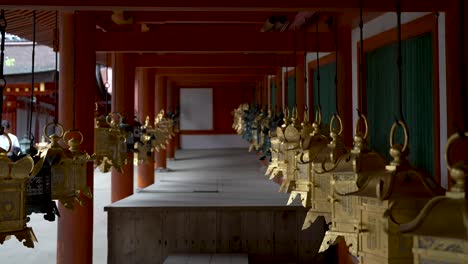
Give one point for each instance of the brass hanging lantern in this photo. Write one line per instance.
(163, 131)
(322, 152)
(110, 147)
(143, 146)
(13, 180)
(67, 166)
(345, 175)
(278, 165)
(312, 141)
(440, 230)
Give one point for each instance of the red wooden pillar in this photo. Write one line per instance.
(146, 108)
(345, 83)
(300, 85)
(75, 227)
(160, 104)
(123, 102)
(171, 107)
(279, 89)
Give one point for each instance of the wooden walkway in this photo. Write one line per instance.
(211, 202)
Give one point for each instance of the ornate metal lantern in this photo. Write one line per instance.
(67, 166)
(143, 146)
(278, 150)
(311, 143)
(13, 180)
(345, 175)
(110, 147)
(320, 151)
(163, 131)
(289, 137)
(441, 229)
(398, 193)
(256, 132)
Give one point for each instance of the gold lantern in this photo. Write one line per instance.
(276, 153)
(289, 136)
(323, 152)
(312, 141)
(441, 229)
(144, 147)
(163, 131)
(257, 142)
(13, 179)
(68, 167)
(344, 178)
(390, 196)
(110, 148)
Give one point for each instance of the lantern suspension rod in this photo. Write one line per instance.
(399, 64)
(107, 85)
(74, 71)
(318, 64)
(361, 58)
(295, 67)
(305, 67)
(31, 99)
(56, 77)
(3, 25)
(335, 25)
(463, 66)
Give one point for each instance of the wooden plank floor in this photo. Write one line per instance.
(210, 202)
(209, 178)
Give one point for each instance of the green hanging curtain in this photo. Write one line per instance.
(291, 91)
(327, 91)
(418, 94)
(273, 95)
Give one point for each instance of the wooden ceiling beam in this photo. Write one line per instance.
(214, 60)
(200, 41)
(216, 71)
(239, 5)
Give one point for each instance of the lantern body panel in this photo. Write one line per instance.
(436, 250)
(12, 205)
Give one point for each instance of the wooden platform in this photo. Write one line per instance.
(213, 201)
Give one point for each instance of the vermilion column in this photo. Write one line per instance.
(279, 89)
(160, 103)
(146, 108)
(300, 83)
(75, 227)
(170, 106)
(123, 94)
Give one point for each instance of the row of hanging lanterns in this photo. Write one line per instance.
(366, 201)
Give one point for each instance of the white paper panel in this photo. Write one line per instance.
(196, 109)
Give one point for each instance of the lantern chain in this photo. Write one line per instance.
(336, 64)
(31, 99)
(361, 57)
(56, 77)
(399, 64)
(295, 67)
(305, 65)
(3, 25)
(74, 71)
(463, 67)
(318, 63)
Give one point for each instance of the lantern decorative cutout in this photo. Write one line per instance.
(143, 146)
(13, 179)
(110, 147)
(345, 175)
(290, 140)
(441, 229)
(394, 195)
(68, 167)
(311, 143)
(278, 167)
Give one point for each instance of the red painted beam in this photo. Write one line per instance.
(217, 79)
(214, 60)
(215, 71)
(155, 17)
(216, 5)
(195, 40)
